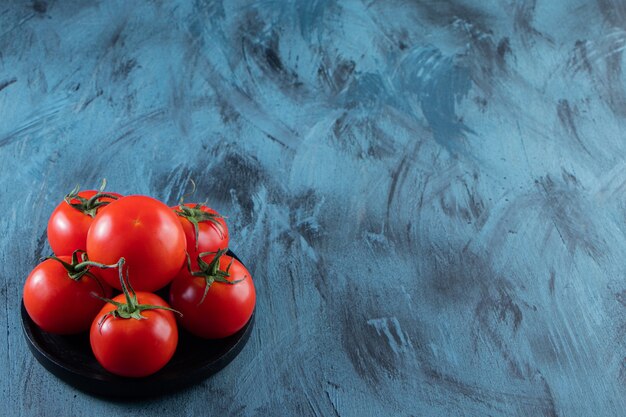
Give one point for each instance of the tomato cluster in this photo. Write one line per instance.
(104, 243)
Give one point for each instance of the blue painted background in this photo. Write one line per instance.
(429, 194)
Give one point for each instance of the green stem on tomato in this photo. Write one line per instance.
(195, 215)
(89, 206)
(211, 271)
(192, 192)
(87, 264)
(132, 309)
(76, 270)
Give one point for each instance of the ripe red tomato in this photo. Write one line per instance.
(225, 309)
(205, 229)
(146, 233)
(68, 224)
(57, 303)
(134, 347)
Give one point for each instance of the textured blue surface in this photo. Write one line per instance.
(430, 195)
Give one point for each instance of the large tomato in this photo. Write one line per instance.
(205, 229)
(134, 347)
(59, 304)
(69, 222)
(146, 233)
(219, 302)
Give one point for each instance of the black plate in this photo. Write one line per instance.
(70, 358)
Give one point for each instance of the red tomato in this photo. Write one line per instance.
(134, 347)
(68, 225)
(212, 232)
(146, 233)
(57, 303)
(226, 308)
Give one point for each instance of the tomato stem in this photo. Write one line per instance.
(89, 206)
(87, 264)
(211, 271)
(192, 192)
(76, 270)
(195, 215)
(132, 308)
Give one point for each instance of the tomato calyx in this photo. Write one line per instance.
(195, 215)
(79, 267)
(131, 309)
(211, 271)
(89, 206)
